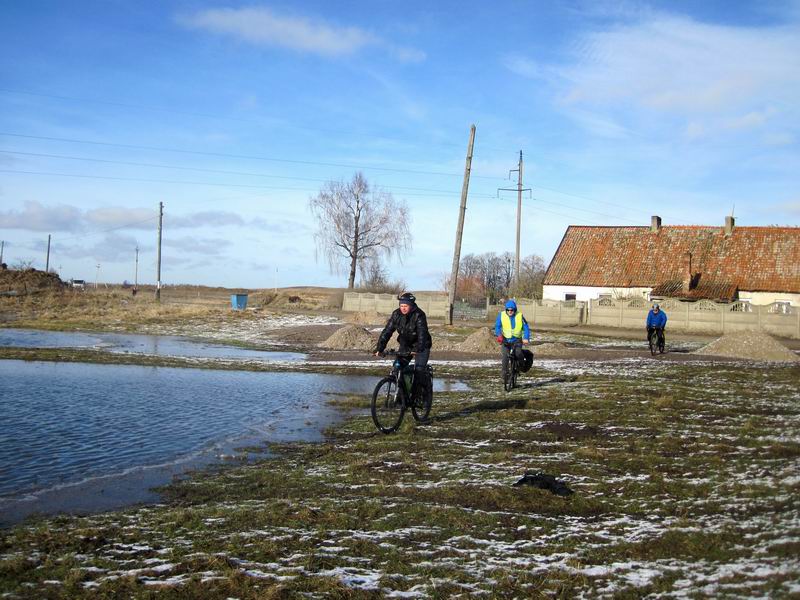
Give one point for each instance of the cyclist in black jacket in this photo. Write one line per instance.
(411, 324)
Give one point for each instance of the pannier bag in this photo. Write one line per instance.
(527, 360)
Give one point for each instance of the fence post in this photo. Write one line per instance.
(560, 306)
(621, 312)
(722, 317)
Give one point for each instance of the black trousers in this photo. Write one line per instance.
(659, 331)
(421, 379)
(515, 347)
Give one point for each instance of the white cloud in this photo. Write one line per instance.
(35, 216)
(263, 27)
(206, 246)
(682, 75)
(116, 216)
(522, 66)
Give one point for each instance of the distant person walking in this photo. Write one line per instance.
(656, 319)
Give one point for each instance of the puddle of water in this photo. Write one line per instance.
(81, 437)
(159, 345)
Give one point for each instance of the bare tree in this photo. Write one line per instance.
(356, 225)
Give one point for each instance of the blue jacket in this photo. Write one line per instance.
(526, 331)
(658, 320)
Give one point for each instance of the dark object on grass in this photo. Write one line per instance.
(545, 482)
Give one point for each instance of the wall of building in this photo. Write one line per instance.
(764, 298)
(585, 293)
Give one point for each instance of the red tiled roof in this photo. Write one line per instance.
(752, 259)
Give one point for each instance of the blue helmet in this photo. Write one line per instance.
(511, 304)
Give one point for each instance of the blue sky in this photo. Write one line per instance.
(233, 115)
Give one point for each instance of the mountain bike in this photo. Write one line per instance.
(394, 395)
(510, 369)
(654, 343)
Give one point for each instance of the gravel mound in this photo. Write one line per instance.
(550, 349)
(751, 345)
(480, 342)
(350, 337)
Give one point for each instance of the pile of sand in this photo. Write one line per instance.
(550, 349)
(752, 345)
(481, 342)
(351, 337)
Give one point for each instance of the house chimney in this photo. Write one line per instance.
(729, 223)
(655, 224)
(687, 272)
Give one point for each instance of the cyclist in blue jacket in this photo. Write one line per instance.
(512, 332)
(656, 319)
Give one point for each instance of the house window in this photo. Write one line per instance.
(569, 297)
(605, 296)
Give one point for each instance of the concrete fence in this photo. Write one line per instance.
(700, 317)
(546, 312)
(434, 305)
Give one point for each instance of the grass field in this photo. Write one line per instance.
(685, 478)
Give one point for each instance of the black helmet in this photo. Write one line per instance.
(407, 298)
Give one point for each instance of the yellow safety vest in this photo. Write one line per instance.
(508, 331)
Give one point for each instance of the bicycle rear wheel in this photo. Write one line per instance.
(388, 407)
(421, 407)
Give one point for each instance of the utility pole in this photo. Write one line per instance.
(96, 275)
(519, 189)
(47, 262)
(460, 229)
(2, 247)
(158, 256)
(136, 272)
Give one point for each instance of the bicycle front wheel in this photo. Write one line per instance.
(388, 407)
(653, 341)
(508, 379)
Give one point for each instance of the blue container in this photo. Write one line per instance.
(238, 301)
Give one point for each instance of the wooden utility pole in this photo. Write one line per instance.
(136, 272)
(2, 247)
(519, 189)
(158, 254)
(47, 262)
(460, 228)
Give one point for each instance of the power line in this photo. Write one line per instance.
(196, 169)
(371, 136)
(206, 183)
(270, 159)
(240, 156)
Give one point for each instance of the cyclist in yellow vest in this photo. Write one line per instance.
(512, 332)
